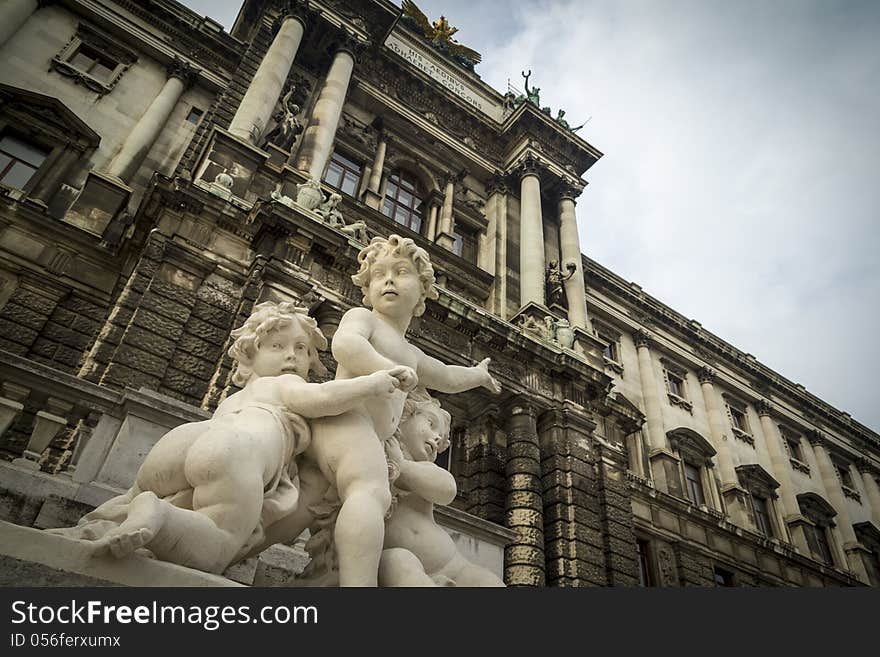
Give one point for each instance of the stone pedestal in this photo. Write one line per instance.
(101, 199)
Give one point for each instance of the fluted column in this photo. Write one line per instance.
(262, 94)
(446, 226)
(373, 198)
(148, 128)
(570, 246)
(14, 14)
(838, 501)
(782, 471)
(872, 490)
(531, 243)
(664, 467)
(524, 506)
(318, 138)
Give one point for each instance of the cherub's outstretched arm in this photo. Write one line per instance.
(335, 397)
(453, 378)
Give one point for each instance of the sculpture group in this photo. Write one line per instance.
(352, 458)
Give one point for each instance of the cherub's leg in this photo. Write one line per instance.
(362, 481)
(400, 567)
(146, 515)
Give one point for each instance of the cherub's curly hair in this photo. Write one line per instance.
(417, 400)
(402, 247)
(266, 317)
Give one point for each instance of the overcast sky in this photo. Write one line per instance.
(740, 179)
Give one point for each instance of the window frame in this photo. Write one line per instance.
(412, 186)
(346, 164)
(38, 170)
(675, 376)
(95, 40)
(737, 407)
(689, 482)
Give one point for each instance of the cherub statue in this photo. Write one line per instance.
(287, 126)
(418, 552)
(329, 212)
(396, 277)
(207, 490)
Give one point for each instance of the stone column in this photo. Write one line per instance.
(872, 490)
(838, 501)
(569, 243)
(664, 466)
(499, 289)
(782, 471)
(434, 201)
(531, 246)
(731, 492)
(258, 104)
(13, 15)
(373, 197)
(148, 128)
(524, 506)
(318, 138)
(447, 221)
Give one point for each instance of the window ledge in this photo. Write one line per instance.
(800, 466)
(744, 436)
(851, 493)
(675, 400)
(613, 365)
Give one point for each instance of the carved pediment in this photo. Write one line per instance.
(37, 113)
(756, 479)
(868, 534)
(689, 443)
(816, 508)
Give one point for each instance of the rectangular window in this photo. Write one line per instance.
(674, 384)
(465, 245)
(194, 116)
(817, 538)
(694, 484)
(762, 515)
(343, 174)
(19, 161)
(738, 418)
(644, 551)
(610, 351)
(723, 577)
(94, 63)
(845, 475)
(792, 444)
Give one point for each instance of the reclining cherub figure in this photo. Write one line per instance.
(207, 490)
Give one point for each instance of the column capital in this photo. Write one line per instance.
(183, 71)
(764, 407)
(817, 438)
(567, 191)
(299, 10)
(643, 338)
(530, 166)
(497, 185)
(350, 44)
(864, 466)
(520, 406)
(706, 374)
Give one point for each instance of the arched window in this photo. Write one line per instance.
(403, 200)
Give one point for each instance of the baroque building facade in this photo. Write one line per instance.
(159, 176)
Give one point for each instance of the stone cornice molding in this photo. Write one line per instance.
(707, 375)
(643, 339)
(764, 407)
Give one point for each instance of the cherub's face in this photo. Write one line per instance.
(395, 289)
(283, 351)
(425, 433)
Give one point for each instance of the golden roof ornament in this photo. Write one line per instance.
(439, 34)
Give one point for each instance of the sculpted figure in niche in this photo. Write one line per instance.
(396, 277)
(418, 552)
(287, 126)
(207, 490)
(555, 282)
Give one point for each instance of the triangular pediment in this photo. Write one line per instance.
(45, 114)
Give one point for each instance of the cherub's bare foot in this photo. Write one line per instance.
(145, 517)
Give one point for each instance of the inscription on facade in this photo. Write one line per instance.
(446, 76)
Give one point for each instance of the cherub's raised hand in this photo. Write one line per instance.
(393, 451)
(489, 381)
(384, 382)
(406, 377)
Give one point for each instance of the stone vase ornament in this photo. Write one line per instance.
(309, 194)
(564, 334)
